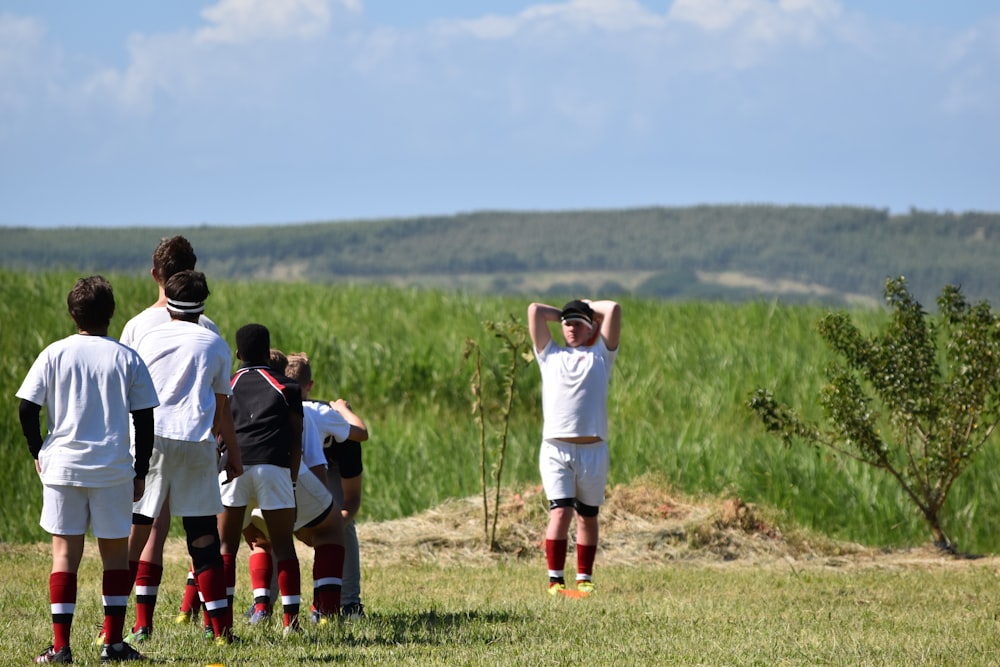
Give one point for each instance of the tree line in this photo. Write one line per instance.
(657, 252)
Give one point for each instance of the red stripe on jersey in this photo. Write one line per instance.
(265, 373)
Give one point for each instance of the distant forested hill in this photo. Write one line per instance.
(829, 254)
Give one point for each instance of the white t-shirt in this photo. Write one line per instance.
(89, 385)
(189, 365)
(575, 389)
(328, 421)
(153, 317)
(312, 442)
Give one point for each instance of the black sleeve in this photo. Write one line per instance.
(142, 420)
(29, 414)
(349, 458)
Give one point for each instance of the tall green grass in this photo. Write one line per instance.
(677, 400)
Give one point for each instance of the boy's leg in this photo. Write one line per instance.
(209, 570)
(67, 551)
(262, 571)
(350, 598)
(230, 524)
(327, 540)
(280, 524)
(116, 586)
(149, 574)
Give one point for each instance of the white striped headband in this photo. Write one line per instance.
(186, 307)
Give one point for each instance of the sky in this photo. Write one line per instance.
(244, 112)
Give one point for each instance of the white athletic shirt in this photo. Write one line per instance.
(328, 421)
(575, 389)
(153, 317)
(312, 442)
(189, 365)
(89, 385)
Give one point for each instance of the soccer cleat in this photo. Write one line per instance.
(50, 656)
(556, 588)
(99, 639)
(585, 586)
(189, 616)
(353, 611)
(207, 632)
(292, 630)
(139, 635)
(120, 653)
(259, 615)
(228, 639)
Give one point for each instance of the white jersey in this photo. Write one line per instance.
(328, 421)
(189, 365)
(153, 316)
(575, 389)
(89, 385)
(312, 442)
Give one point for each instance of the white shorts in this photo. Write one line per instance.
(267, 486)
(187, 473)
(574, 471)
(70, 510)
(311, 497)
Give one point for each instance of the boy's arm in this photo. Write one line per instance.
(359, 431)
(295, 447)
(142, 422)
(608, 319)
(539, 316)
(29, 414)
(223, 426)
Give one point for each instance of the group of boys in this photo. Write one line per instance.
(186, 409)
(171, 372)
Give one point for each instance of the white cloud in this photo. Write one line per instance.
(238, 21)
(606, 15)
(762, 20)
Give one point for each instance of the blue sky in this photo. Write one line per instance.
(180, 113)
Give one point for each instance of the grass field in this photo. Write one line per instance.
(674, 588)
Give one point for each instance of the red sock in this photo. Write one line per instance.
(212, 584)
(555, 556)
(585, 555)
(115, 588)
(62, 596)
(191, 603)
(147, 586)
(261, 571)
(229, 567)
(328, 570)
(133, 570)
(291, 594)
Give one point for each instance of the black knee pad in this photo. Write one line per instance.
(207, 557)
(586, 510)
(562, 502)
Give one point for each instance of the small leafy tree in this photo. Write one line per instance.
(516, 343)
(933, 382)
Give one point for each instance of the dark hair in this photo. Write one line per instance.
(172, 255)
(278, 361)
(253, 343)
(91, 303)
(186, 286)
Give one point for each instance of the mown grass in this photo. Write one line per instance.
(677, 400)
(675, 614)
